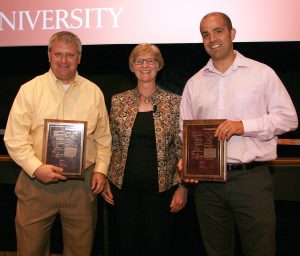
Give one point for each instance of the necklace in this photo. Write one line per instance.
(147, 99)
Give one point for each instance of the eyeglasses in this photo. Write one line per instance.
(149, 61)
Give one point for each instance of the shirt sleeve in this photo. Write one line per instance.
(186, 110)
(102, 140)
(17, 136)
(280, 116)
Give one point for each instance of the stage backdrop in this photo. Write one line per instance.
(31, 22)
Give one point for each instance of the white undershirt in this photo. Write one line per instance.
(66, 87)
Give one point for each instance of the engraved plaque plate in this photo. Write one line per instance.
(64, 146)
(204, 156)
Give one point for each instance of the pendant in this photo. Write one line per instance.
(146, 100)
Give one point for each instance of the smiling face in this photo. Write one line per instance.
(145, 61)
(64, 59)
(145, 68)
(217, 37)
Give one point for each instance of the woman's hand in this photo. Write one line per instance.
(107, 195)
(179, 199)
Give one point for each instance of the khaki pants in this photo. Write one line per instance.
(37, 207)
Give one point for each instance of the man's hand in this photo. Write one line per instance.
(47, 173)
(98, 182)
(229, 128)
(180, 168)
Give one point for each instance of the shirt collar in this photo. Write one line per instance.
(239, 61)
(73, 83)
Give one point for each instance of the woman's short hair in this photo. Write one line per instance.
(148, 49)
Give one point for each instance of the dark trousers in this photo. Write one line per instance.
(245, 203)
(143, 223)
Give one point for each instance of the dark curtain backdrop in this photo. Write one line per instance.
(107, 65)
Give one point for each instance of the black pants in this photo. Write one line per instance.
(245, 201)
(143, 223)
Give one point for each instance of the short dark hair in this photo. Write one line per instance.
(225, 17)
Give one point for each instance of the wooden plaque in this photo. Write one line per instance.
(204, 156)
(64, 146)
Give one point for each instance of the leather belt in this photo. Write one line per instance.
(243, 166)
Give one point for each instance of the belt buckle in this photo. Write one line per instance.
(236, 166)
(230, 166)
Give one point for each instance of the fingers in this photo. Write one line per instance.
(108, 198)
(97, 186)
(56, 168)
(191, 181)
(48, 174)
(179, 200)
(107, 195)
(59, 177)
(98, 182)
(229, 128)
(175, 207)
(179, 165)
(224, 131)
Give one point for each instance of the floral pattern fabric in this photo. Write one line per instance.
(124, 108)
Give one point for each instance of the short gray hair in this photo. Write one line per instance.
(67, 37)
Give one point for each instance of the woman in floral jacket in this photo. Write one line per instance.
(144, 186)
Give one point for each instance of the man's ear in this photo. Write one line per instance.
(232, 33)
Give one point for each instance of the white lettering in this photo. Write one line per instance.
(21, 21)
(8, 22)
(76, 18)
(32, 24)
(61, 16)
(99, 16)
(115, 16)
(61, 19)
(47, 20)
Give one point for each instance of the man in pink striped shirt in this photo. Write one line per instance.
(257, 108)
